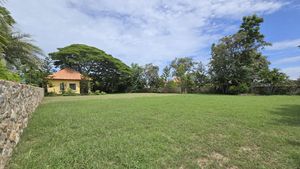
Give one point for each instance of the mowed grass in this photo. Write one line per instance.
(162, 131)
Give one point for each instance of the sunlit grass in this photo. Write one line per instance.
(173, 131)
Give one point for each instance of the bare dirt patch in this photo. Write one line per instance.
(203, 162)
(252, 148)
(215, 157)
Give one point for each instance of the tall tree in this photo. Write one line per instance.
(20, 51)
(16, 49)
(6, 23)
(166, 73)
(37, 77)
(250, 59)
(181, 68)
(237, 59)
(138, 81)
(152, 77)
(108, 74)
(200, 77)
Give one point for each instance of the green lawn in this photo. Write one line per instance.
(162, 131)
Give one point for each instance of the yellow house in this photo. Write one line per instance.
(65, 80)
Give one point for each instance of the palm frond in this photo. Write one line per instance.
(20, 51)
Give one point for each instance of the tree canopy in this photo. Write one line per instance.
(108, 74)
(237, 61)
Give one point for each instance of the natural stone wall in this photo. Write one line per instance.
(17, 102)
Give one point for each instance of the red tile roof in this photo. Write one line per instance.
(66, 74)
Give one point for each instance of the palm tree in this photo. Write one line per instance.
(16, 48)
(6, 23)
(20, 51)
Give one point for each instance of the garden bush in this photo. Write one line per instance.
(69, 92)
(5, 74)
(242, 88)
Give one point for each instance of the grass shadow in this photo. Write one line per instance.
(288, 115)
(293, 142)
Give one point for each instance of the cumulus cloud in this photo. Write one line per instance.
(134, 31)
(287, 44)
(287, 60)
(293, 72)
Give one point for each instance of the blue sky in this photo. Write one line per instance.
(157, 31)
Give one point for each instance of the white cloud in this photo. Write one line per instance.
(287, 44)
(135, 31)
(287, 60)
(293, 72)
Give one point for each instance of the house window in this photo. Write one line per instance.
(72, 86)
(62, 87)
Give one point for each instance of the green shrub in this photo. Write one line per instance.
(51, 94)
(97, 92)
(5, 74)
(69, 92)
(242, 88)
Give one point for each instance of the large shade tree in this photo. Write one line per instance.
(237, 60)
(108, 74)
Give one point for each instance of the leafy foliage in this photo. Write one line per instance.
(190, 75)
(166, 73)
(69, 92)
(5, 74)
(298, 81)
(200, 75)
(98, 92)
(236, 60)
(145, 78)
(152, 77)
(107, 73)
(181, 69)
(37, 77)
(16, 49)
(19, 51)
(6, 23)
(138, 81)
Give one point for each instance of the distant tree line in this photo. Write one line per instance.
(237, 65)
